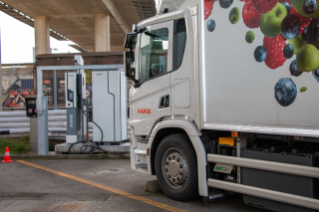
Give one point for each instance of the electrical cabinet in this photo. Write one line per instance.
(109, 106)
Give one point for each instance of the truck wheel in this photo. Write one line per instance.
(176, 168)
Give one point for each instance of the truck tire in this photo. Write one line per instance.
(176, 168)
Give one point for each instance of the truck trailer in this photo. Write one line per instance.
(225, 100)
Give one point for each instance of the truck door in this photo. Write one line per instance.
(150, 100)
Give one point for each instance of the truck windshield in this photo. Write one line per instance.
(154, 49)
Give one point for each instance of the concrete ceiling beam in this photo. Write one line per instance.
(117, 15)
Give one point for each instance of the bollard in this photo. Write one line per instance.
(43, 139)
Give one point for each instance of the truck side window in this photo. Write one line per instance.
(179, 42)
(154, 49)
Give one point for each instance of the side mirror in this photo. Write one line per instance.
(130, 40)
(130, 66)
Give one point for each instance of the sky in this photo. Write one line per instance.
(17, 41)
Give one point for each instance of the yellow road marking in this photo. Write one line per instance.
(116, 191)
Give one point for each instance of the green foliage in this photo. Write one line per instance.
(16, 145)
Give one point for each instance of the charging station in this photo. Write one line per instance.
(75, 91)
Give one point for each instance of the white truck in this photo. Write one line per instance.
(225, 101)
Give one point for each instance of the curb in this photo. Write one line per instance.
(66, 156)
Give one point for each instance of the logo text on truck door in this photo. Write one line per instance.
(144, 111)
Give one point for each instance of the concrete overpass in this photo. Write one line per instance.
(94, 25)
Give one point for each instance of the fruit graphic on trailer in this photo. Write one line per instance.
(285, 92)
(312, 33)
(234, 15)
(304, 34)
(298, 5)
(211, 25)
(270, 23)
(303, 89)
(307, 58)
(250, 37)
(310, 6)
(225, 3)
(251, 15)
(275, 56)
(291, 26)
(304, 20)
(264, 6)
(288, 7)
(260, 54)
(288, 51)
(208, 7)
(294, 71)
(316, 74)
(297, 43)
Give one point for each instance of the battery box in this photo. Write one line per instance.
(292, 184)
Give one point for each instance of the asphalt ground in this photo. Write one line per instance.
(90, 185)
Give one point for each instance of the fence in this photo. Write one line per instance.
(18, 124)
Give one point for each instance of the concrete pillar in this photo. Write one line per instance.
(102, 33)
(42, 35)
(42, 40)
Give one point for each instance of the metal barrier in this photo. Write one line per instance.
(18, 124)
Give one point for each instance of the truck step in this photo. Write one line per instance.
(141, 165)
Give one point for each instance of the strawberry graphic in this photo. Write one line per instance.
(208, 7)
(264, 6)
(275, 56)
(282, 1)
(251, 16)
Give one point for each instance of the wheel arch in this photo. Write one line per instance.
(168, 127)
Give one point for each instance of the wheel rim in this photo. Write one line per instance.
(174, 168)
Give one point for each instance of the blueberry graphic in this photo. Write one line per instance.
(211, 25)
(310, 6)
(304, 34)
(313, 32)
(288, 7)
(291, 26)
(294, 71)
(260, 54)
(285, 92)
(316, 74)
(225, 3)
(289, 51)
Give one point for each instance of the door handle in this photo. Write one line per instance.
(164, 102)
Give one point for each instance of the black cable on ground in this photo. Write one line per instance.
(92, 146)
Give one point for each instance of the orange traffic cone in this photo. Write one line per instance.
(7, 158)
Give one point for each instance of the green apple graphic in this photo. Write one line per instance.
(270, 23)
(297, 43)
(307, 58)
(298, 6)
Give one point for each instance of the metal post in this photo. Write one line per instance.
(43, 138)
(241, 143)
(55, 91)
